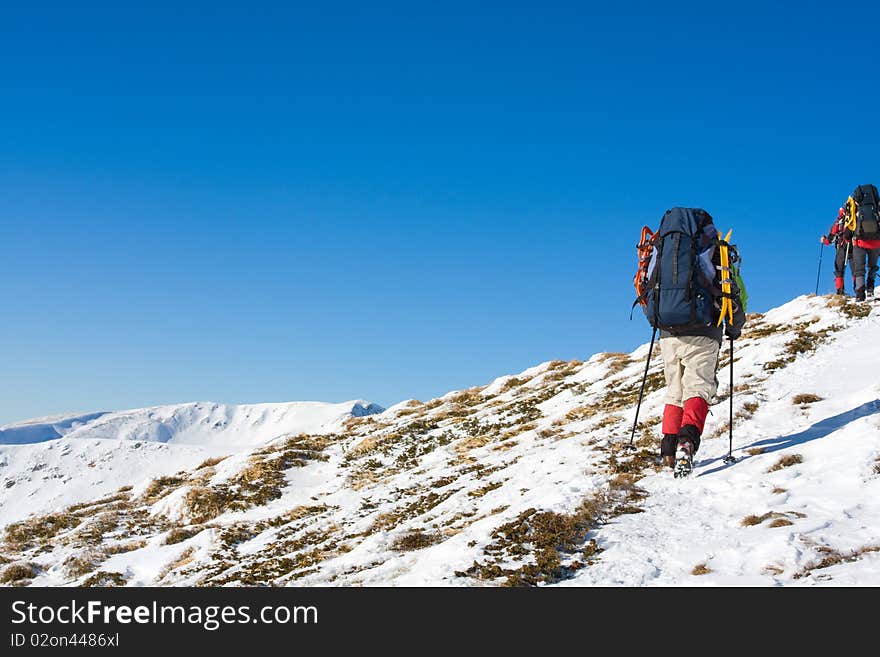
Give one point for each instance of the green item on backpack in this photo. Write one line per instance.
(743, 295)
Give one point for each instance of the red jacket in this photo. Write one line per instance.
(837, 228)
(867, 244)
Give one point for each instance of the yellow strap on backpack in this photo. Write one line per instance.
(726, 278)
(851, 214)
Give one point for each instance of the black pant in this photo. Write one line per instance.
(860, 259)
(843, 252)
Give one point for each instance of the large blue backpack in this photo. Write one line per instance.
(680, 291)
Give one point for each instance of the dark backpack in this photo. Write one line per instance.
(867, 212)
(679, 295)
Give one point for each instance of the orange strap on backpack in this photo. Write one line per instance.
(645, 251)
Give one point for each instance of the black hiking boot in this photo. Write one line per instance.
(841, 291)
(684, 459)
(688, 442)
(860, 294)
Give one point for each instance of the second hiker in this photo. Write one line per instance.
(841, 238)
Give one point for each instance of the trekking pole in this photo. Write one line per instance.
(642, 390)
(730, 458)
(819, 273)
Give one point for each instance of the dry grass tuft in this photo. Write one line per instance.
(512, 383)
(480, 492)
(17, 572)
(805, 398)
(848, 307)
(465, 445)
(161, 486)
(701, 569)
(204, 503)
(27, 533)
(181, 534)
(211, 462)
(787, 462)
(832, 557)
(750, 521)
(184, 558)
(105, 579)
(82, 564)
(617, 361)
(781, 522)
(416, 540)
(779, 519)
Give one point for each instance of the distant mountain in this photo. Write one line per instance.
(62, 460)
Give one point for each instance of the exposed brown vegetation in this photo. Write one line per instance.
(480, 492)
(701, 569)
(832, 557)
(27, 533)
(105, 579)
(553, 546)
(786, 462)
(781, 522)
(617, 361)
(211, 462)
(78, 565)
(260, 482)
(512, 383)
(161, 486)
(805, 398)
(180, 534)
(17, 572)
(849, 307)
(752, 520)
(415, 540)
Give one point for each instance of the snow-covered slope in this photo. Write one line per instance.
(48, 463)
(524, 481)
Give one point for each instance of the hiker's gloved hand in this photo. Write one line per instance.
(826, 240)
(732, 333)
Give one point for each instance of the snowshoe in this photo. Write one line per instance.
(684, 460)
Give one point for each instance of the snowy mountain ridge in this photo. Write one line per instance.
(70, 459)
(526, 481)
(195, 422)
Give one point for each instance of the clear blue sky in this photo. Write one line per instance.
(249, 202)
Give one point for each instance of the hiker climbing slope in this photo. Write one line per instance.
(841, 238)
(863, 219)
(690, 291)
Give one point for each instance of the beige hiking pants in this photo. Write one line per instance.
(689, 363)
